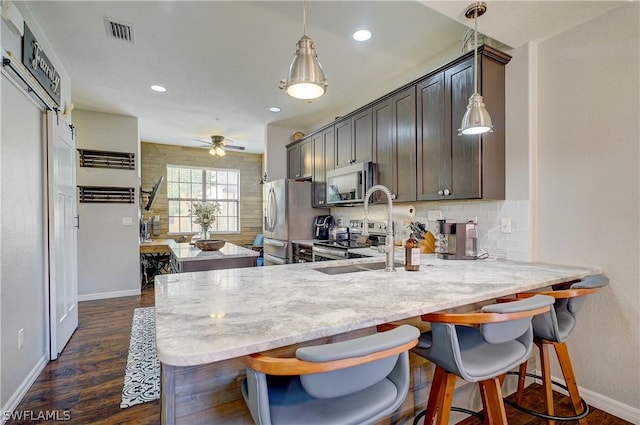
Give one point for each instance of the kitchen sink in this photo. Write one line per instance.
(353, 268)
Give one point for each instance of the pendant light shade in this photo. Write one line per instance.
(476, 119)
(306, 79)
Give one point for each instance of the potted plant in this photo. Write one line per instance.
(205, 214)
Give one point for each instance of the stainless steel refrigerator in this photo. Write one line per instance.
(288, 216)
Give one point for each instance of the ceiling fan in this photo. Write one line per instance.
(219, 144)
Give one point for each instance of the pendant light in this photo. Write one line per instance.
(306, 78)
(476, 119)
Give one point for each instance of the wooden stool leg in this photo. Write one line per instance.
(446, 398)
(569, 377)
(546, 378)
(485, 405)
(522, 375)
(434, 395)
(501, 378)
(491, 393)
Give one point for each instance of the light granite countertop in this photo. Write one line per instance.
(187, 252)
(205, 317)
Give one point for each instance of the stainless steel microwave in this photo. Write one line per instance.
(348, 185)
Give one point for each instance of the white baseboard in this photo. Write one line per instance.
(16, 398)
(602, 402)
(105, 295)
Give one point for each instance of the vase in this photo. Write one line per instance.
(204, 232)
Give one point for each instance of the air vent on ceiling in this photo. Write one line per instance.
(119, 30)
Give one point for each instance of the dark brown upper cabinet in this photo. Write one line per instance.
(322, 143)
(300, 160)
(411, 135)
(354, 142)
(394, 135)
(452, 166)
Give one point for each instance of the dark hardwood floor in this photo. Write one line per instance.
(85, 383)
(534, 400)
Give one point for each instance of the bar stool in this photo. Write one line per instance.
(478, 347)
(553, 329)
(358, 381)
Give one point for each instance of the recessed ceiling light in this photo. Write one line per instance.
(158, 88)
(362, 35)
(275, 109)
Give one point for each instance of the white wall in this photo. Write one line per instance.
(275, 151)
(108, 255)
(23, 274)
(588, 189)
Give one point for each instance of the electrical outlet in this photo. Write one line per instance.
(506, 225)
(127, 221)
(20, 338)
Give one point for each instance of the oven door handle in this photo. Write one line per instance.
(331, 252)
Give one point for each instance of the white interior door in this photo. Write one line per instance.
(63, 222)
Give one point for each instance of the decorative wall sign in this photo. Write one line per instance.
(39, 65)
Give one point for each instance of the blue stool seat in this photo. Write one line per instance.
(553, 329)
(358, 381)
(478, 347)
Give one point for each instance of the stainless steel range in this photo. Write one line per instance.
(342, 245)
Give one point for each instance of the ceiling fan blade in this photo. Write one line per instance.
(240, 148)
(206, 142)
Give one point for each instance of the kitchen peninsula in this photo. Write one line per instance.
(206, 321)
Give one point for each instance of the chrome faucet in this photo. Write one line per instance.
(389, 260)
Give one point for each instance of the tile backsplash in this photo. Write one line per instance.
(489, 215)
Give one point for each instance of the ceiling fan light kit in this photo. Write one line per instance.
(218, 145)
(306, 79)
(476, 119)
(216, 150)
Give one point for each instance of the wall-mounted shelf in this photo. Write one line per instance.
(106, 159)
(106, 195)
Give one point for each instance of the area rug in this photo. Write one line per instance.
(142, 374)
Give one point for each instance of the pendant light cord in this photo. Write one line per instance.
(304, 18)
(475, 49)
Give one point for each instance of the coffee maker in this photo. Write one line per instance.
(321, 226)
(456, 241)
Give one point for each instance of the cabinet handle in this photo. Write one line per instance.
(447, 192)
(440, 192)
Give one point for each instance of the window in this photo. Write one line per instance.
(186, 185)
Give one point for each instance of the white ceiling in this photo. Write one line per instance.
(221, 61)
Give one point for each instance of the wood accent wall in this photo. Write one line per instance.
(154, 160)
